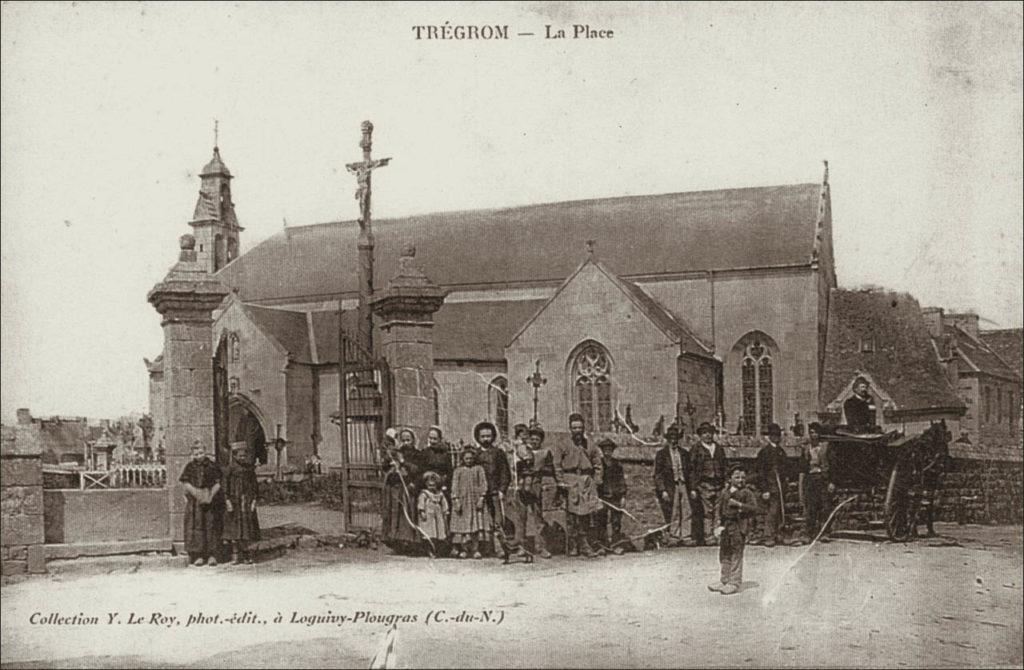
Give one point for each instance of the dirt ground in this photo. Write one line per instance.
(955, 602)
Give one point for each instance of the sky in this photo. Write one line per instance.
(107, 117)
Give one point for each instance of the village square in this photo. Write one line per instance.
(570, 431)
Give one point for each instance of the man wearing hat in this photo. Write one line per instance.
(815, 466)
(611, 490)
(770, 464)
(535, 471)
(495, 465)
(671, 474)
(578, 471)
(859, 408)
(707, 476)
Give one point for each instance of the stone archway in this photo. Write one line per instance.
(244, 425)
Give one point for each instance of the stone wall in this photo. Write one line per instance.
(110, 515)
(21, 501)
(783, 304)
(463, 395)
(698, 391)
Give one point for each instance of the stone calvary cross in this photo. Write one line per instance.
(363, 170)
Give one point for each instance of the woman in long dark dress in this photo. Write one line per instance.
(201, 478)
(436, 456)
(241, 524)
(401, 485)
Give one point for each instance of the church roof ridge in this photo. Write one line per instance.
(553, 203)
(642, 235)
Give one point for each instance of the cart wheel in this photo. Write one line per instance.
(896, 522)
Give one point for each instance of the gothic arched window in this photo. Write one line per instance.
(757, 383)
(497, 403)
(592, 386)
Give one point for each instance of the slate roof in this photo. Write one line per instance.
(978, 355)
(1008, 344)
(479, 330)
(287, 328)
(475, 331)
(637, 235)
(904, 362)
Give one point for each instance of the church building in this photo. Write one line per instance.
(634, 311)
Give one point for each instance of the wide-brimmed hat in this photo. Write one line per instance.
(706, 428)
(480, 426)
(536, 430)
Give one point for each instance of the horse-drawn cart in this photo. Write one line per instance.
(908, 467)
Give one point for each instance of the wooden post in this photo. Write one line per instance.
(346, 492)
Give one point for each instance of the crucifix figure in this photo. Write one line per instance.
(362, 170)
(536, 381)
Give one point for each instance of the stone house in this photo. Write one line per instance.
(989, 385)
(883, 336)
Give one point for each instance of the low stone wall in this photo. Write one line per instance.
(982, 492)
(21, 503)
(107, 515)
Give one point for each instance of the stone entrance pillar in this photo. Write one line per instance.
(406, 308)
(186, 299)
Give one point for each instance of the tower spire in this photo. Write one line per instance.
(216, 226)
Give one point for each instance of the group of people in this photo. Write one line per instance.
(499, 499)
(688, 484)
(220, 507)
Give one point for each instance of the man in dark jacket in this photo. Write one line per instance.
(772, 482)
(707, 476)
(671, 485)
(815, 465)
(611, 490)
(499, 476)
(859, 408)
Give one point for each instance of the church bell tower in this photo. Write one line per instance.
(216, 228)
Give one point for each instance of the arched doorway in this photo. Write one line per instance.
(244, 426)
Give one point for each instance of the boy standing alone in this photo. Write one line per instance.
(736, 506)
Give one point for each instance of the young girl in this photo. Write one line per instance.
(241, 524)
(469, 488)
(433, 513)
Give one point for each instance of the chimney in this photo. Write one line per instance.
(24, 417)
(933, 317)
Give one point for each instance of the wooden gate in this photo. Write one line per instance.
(364, 412)
(221, 448)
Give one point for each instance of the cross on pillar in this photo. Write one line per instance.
(536, 380)
(363, 170)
